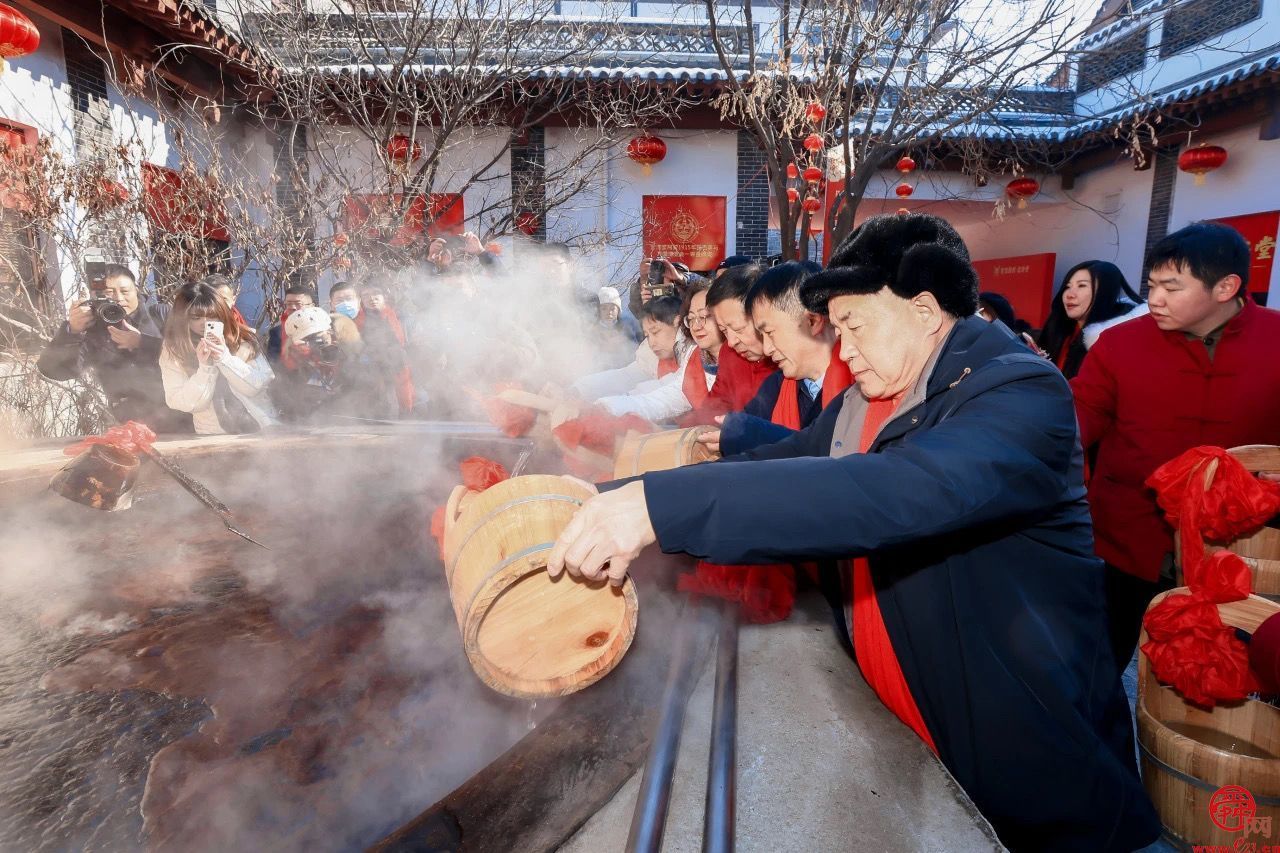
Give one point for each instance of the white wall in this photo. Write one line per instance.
(1248, 183)
(697, 163)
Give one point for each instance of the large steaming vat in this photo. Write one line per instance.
(166, 685)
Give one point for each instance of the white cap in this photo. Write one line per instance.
(610, 296)
(305, 322)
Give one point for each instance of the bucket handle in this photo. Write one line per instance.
(453, 508)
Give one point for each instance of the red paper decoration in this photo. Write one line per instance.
(402, 150)
(815, 112)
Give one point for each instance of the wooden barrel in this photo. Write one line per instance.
(1261, 550)
(525, 634)
(1188, 754)
(661, 451)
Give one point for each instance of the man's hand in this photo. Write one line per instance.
(605, 535)
(471, 244)
(671, 275)
(125, 336)
(80, 317)
(711, 440)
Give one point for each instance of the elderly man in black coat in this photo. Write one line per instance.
(950, 479)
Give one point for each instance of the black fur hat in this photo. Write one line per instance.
(910, 254)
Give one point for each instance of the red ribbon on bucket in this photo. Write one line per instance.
(1188, 645)
(132, 437)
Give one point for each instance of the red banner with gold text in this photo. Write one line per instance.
(685, 228)
(1260, 230)
(1025, 280)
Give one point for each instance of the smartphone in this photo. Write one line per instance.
(213, 327)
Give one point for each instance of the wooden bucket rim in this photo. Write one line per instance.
(494, 513)
(512, 571)
(687, 436)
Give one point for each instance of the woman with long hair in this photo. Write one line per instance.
(1094, 296)
(662, 399)
(212, 365)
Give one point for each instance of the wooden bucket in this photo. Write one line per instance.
(661, 451)
(525, 634)
(1189, 753)
(1261, 550)
(102, 477)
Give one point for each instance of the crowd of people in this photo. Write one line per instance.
(976, 487)
(969, 491)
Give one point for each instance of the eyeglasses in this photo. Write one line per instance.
(696, 320)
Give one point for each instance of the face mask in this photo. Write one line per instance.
(348, 309)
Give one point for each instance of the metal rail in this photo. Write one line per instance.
(650, 817)
(718, 818)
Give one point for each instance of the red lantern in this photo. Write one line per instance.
(647, 151)
(403, 150)
(903, 190)
(341, 240)
(793, 195)
(18, 36)
(813, 143)
(815, 112)
(527, 222)
(1202, 160)
(792, 172)
(906, 165)
(1022, 189)
(813, 174)
(811, 204)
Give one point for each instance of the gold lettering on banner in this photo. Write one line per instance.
(1265, 248)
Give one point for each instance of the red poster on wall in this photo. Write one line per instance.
(380, 214)
(171, 208)
(1260, 230)
(685, 228)
(1025, 280)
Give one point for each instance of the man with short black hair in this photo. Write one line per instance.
(803, 344)
(116, 334)
(296, 296)
(1202, 368)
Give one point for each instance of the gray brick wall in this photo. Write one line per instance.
(753, 198)
(529, 177)
(1166, 174)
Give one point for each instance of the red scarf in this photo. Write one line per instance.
(786, 412)
(737, 381)
(871, 644)
(694, 385)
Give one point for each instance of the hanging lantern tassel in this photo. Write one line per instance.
(1023, 189)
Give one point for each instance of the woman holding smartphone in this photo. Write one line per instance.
(212, 365)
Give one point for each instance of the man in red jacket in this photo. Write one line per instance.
(743, 365)
(1202, 368)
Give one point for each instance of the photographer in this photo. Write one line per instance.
(661, 277)
(116, 333)
(325, 373)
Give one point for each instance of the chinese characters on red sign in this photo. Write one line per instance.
(685, 228)
(1259, 230)
(1025, 280)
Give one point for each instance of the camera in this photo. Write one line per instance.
(108, 311)
(657, 266)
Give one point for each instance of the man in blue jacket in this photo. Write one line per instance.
(950, 477)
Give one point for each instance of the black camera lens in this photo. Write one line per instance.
(109, 312)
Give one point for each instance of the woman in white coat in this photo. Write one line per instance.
(213, 366)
